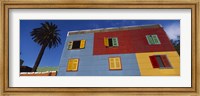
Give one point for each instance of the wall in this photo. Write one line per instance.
(133, 49)
(146, 68)
(132, 41)
(47, 73)
(95, 65)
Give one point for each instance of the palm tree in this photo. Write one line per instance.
(176, 44)
(46, 36)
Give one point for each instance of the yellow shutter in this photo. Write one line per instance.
(82, 45)
(70, 44)
(106, 41)
(72, 65)
(111, 63)
(118, 63)
(115, 63)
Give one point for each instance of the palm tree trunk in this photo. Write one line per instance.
(37, 62)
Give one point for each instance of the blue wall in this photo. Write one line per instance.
(95, 65)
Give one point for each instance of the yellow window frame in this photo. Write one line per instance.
(72, 65)
(115, 63)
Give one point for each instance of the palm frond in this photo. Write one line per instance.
(47, 34)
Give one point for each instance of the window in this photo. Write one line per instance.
(111, 42)
(115, 63)
(72, 64)
(79, 44)
(153, 39)
(160, 61)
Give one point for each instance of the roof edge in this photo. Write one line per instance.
(114, 29)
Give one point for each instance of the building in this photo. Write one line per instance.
(47, 73)
(125, 51)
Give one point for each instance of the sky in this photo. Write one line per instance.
(29, 49)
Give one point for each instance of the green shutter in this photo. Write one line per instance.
(115, 42)
(155, 39)
(149, 39)
(70, 44)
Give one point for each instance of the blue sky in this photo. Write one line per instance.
(29, 49)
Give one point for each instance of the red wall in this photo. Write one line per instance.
(132, 41)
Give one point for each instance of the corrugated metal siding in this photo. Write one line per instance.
(132, 41)
(90, 65)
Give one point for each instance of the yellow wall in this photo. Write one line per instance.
(146, 68)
